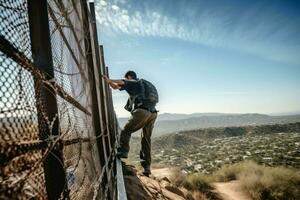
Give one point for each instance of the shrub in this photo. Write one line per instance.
(261, 182)
(201, 183)
(272, 183)
(177, 177)
(198, 182)
(232, 172)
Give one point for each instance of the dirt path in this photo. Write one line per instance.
(231, 191)
(162, 172)
(228, 191)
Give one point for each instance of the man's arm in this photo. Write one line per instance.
(115, 84)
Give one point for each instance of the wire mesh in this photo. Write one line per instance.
(69, 56)
(18, 114)
(24, 141)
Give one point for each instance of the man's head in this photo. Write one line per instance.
(130, 75)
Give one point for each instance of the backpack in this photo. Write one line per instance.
(148, 95)
(149, 92)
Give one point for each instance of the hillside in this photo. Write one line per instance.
(206, 150)
(171, 123)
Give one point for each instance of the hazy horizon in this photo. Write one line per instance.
(204, 113)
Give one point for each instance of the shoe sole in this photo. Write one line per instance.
(121, 157)
(146, 174)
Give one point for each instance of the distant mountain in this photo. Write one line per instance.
(175, 116)
(284, 113)
(188, 137)
(172, 123)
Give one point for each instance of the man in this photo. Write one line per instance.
(142, 100)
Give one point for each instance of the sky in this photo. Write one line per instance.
(206, 56)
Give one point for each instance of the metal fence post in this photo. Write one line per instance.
(100, 128)
(106, 111)
(105, 93)
(91, 74)
(46, 98)
(103, 143)
(111, 113)
(105, 100)
(102, 151)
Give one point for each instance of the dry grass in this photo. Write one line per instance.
(177, 177)
(272, 183)
(198, 182)
(261, 182)
(231, 172)
(200, 185)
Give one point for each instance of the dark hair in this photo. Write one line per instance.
(131, 73)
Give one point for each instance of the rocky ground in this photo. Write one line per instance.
(157, 186)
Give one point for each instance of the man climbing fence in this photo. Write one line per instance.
(142, 100)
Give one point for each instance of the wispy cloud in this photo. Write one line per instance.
(256, 30)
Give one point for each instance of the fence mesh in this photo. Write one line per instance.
(25, 143)
(18, 114)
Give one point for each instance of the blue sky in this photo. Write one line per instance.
(206, 56)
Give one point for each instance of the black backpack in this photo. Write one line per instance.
(149, 92)
(148, 95)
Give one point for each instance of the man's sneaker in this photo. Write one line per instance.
(122, 153)
(146, 167)
(147, 171)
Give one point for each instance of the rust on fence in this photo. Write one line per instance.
(59, 131)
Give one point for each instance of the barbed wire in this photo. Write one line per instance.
(22, 151)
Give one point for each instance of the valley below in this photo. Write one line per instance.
(206, 150)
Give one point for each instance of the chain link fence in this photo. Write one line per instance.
(58, 126)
